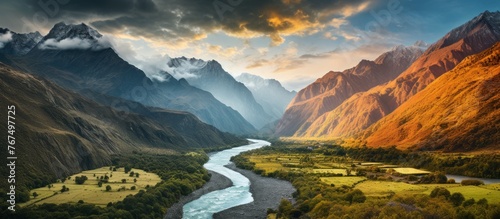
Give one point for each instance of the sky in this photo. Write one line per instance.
(293, 41)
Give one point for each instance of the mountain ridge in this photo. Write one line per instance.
(62, 132)
(274, 104)
(92, 65)
(457, 112)
(211, 77)
(360, 111)
(331, 90)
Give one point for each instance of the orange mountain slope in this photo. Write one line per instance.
(364, 109)
(328, 92)
(459, 111)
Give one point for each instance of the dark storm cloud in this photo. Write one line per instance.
(172, 20)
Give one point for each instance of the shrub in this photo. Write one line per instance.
(457, 198)
(471, 182)
(80, 179)
(468, 202)
(439, 191)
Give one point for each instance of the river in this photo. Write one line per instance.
(238, 194)
(458, 179)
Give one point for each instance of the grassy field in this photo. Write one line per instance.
(321, 164)
(90, 192)
(382, 188)
(335, 171)
(410, 171)
(340, 181)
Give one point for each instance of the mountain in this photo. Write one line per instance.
(59, 132)
(269, 93)
(16, 43)
(211, 77)
(364, 109)
(328, 92)
(459, 111)
(78, 58)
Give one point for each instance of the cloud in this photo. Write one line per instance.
(5, 38)
(224, 52)
(258, 63)
(285, 61)
(180, 22)
(76, 43)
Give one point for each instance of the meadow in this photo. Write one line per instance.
(90, 192)
(333, 170)
(332, 180)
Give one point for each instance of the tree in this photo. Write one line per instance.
(471, 182)
(131, 174)
(355, 196)
(135, 180)
(99, 184)
(35, 194)
(80, 179)
(108, 188)
(127, 168)
(64, 189)
(439, 191)
(284, 208)
(468, 202)
(132, 188)
(482, 201)
(124, 180)
(80, 202)
(457, 198)
(137, 175)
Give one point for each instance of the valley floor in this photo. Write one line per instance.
(216, 182)
(267, 193)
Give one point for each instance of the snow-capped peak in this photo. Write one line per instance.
(18, 43)
(62, 31)
(73, 36)
(401, 53)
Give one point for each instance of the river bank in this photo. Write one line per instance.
(267, 193)
(216, 182)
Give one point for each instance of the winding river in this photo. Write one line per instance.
(238, 194)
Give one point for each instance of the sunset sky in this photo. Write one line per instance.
(294, 41)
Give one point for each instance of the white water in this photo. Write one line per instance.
(238, 194)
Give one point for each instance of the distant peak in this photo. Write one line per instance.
(398, 47)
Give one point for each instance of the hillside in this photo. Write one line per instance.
(459, 111)
(364, 109)
(211, 77)
(328, 92)
(97, 67)
(59, 132)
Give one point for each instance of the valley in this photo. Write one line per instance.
(279, 109)
(333, 177)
